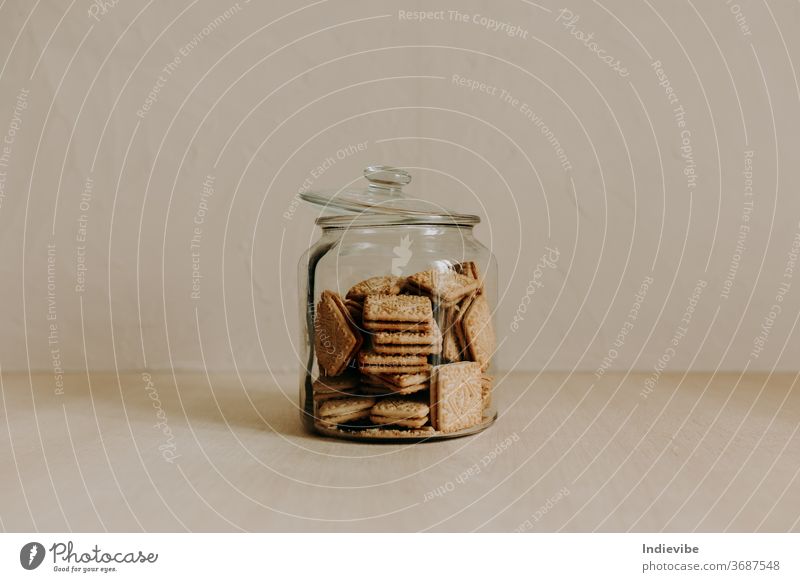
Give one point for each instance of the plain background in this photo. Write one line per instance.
(261, 94)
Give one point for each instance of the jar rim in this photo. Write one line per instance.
(374, 219)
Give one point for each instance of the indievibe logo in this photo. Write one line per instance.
(31, 555)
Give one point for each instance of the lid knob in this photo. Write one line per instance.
(386, 177)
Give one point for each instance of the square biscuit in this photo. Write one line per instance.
(336, 339)
(407, 338)
(445, 285)
(456, 396)
(371, 358)
(330, 421)
(342, 406)
(381, 285)
(398, 308)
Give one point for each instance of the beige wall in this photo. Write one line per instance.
(251, 104)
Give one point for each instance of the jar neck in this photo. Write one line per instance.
(465, 231)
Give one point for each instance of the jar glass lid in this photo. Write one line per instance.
(383, 198)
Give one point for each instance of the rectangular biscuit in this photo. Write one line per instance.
(348, 417)
(445, 285)
(336, 337)
(381, 285)
(456, 396)
(371, 358)
(398, 308)
(406, 338)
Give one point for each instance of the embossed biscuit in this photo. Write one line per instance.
(400, 343)
(445, 285)
(344, 406)
(335, 338)
(478, 331)
(406, 338)
(390, 421)
(456, 401)
(331, 421)
(400, 408)
(382, 285)
(370, 358)
(398, 308)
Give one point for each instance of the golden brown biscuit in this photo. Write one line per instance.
(382, 285)
(398, 309)
(336, 340)
(444, 285)
(478, 331)
(456, 400)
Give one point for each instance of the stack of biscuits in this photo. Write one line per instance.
(405, 355)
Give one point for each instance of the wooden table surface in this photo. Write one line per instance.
(569, 453)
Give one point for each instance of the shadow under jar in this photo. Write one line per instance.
(397, 307)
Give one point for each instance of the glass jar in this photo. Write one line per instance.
(396, 313)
